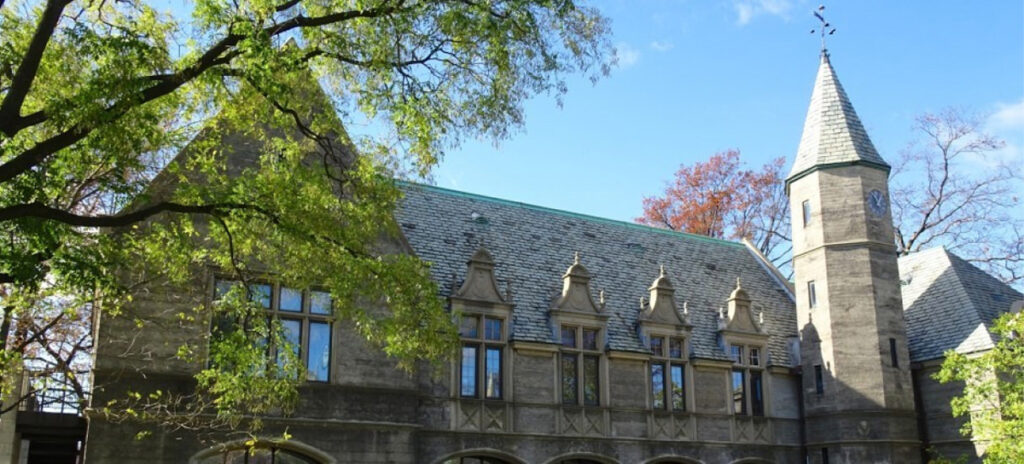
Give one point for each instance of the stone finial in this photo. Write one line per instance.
(739, 293)
(576, 257)
(686, 308)
(600, 298)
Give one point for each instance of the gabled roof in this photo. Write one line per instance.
(832, 131)
(949, 303)
(533, 246)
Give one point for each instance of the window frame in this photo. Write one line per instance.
(667, 362)
(481, 343)
(819, 380)
(305, 315)
(750, 365)
(581, 355)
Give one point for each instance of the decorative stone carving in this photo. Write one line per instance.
(480, 284)
(740, 317)
(575, 295)
(662, 308)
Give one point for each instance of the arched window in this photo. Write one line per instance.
(261, 454)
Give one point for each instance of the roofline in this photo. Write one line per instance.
(561, 212)
(771, 269)
(818, 167)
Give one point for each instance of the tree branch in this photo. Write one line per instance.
(41, 211)
(10, 109)
(218, 54)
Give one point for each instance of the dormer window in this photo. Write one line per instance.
(665, 330)
(481, 366)
(578, 324)
(668, 387)
(744, 341)
(580, 366)
(484, 329)
(747, 381)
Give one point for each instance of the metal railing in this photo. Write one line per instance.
(51, 394)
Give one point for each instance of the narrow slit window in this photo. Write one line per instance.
(807, 212)
(492, 373)
(819, 380)
(468, 371)
(591, 396)
(812, 295)
(892, 353)
(739, 392)
(756, 393)
(658, 385)
(824, 456)
(678, 388)
(569, 378)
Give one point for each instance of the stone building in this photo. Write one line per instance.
(587, 340)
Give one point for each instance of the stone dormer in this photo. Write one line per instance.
(479, 293)
(480, 284)
(661, 308)
(739, 325)
(576, 295)
(575, 306)
(738, 316)
(659, 316)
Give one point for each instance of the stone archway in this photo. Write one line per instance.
(480, 456)
(262, 452)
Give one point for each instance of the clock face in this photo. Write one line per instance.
(877, 203)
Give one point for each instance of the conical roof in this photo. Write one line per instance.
(833, 134)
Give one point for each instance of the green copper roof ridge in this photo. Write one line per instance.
(561, 212)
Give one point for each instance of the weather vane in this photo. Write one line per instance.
(826, 27)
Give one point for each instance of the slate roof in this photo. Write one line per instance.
(533, 246)
(949, 303)
(832, 131)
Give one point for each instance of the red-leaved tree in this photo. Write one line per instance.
(720, 198)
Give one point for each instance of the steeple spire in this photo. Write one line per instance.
(833, 134)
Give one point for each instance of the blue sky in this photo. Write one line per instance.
(697, 77)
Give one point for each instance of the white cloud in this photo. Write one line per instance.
(1008, 116)
(1006, 124)
(627, 55)
(747, 10)
(660, 46)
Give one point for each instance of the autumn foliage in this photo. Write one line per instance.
(720, 198)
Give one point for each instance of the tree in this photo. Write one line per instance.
(719, 198)
(97, 97)
(947, 189)
(993, 395)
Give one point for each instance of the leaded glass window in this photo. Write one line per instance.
(482, 361)
(668, 387)
(747, 382)
(302, 317)
(580, 365)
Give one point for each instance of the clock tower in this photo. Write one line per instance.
(858, 396)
